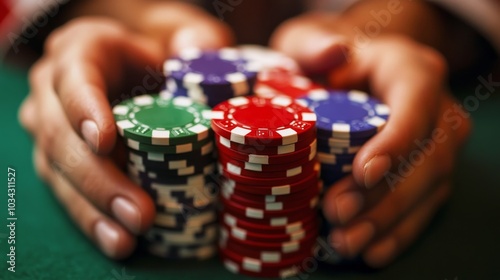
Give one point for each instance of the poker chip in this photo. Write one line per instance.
(277, 82)
(174, 149)
(346, 120)
(260, 121)
(263, 255)
(233, 221)
(346, 114)
(288, 172)
(150, 119)
(241, 192)
(269, 188)
(170, 155)
(243, 234)
(151, 158)
(270, 181)
(199, 252)
(264, 149)
(248, 156)
(268, 59)
(210, 76)
(237, 263)
(307, 195)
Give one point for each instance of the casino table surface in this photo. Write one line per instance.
(462, 242)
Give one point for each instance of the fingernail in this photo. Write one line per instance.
(348, 205)
(354, 239)
(90, 133)
(127, 213)
(375, 170)
(107, 237)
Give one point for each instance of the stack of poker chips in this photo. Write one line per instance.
(346, 121)
(269, 186)
(210, 77)
(171, 156)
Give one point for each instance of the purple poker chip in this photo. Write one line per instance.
(210, 77)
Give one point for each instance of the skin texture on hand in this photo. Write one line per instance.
(68, 112)
(380, 209)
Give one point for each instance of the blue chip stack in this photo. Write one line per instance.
(210, 77)
(345, 121)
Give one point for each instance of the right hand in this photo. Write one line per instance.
(89, 64)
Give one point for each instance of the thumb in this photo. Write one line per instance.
(311, 41)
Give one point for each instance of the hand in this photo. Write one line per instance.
(402, 175)
(87, 64)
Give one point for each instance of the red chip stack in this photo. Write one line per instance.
(269, 187)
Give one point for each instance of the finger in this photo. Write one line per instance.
(354, 237)
(346, 199)
(383, 252)
(27, 114)
(87, 69)
(111, 238)
(95, 177)
(312, 42)
(413, 93)
(173, 25)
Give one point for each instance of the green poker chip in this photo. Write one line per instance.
(159, 121)
(172, 149)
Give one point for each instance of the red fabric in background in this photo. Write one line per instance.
(4, 10)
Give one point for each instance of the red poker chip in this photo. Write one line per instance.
(265, 255)
(264, 148)
(231, 220)
(307, 152)
(263, 167)
(244, 234)
(238, 263)
(311, 190)
(272, 206)
(252, 120)
(269, 181)
(259, 214)
(276, 220)
(278, 83)
(291, 171)
(284, 247)
(276, 190)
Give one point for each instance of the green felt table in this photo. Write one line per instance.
(462, 242)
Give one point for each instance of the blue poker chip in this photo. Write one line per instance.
(331, 173)
(210, 77)
(341, 143)
(346, 114)
(334, 159)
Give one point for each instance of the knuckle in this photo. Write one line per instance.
(85, 27)
(91, 186)
(42, 167)
(436, 61)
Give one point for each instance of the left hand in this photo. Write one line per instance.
(397, 185)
